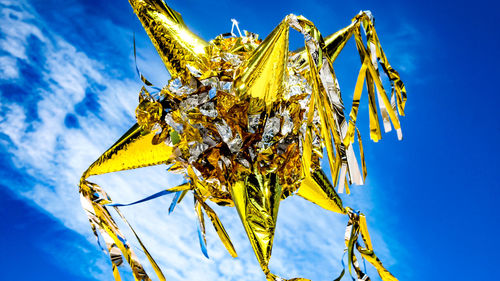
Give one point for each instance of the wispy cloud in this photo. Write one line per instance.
(401, 45)
(58, 141)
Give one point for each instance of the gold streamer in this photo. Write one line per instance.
(219, 228)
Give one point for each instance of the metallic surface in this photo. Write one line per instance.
(246, 121)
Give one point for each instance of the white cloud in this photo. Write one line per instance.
(400, 47)
(17, 27)
(12, 121)
(8, 68)
(309, 240)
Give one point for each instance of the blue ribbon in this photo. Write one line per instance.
(156, 195)
(202, 242)
(144, 80)
(174, 202)
(343, 265)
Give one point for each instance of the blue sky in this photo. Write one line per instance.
(68, 90)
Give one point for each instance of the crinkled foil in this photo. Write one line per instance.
(246, 121)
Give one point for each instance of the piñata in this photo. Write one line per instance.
(247, 121)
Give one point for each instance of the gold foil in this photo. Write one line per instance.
(318, 189)
(263, 73)
(177, 45)
(133, 150)
(246, 122)
(257, 200)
